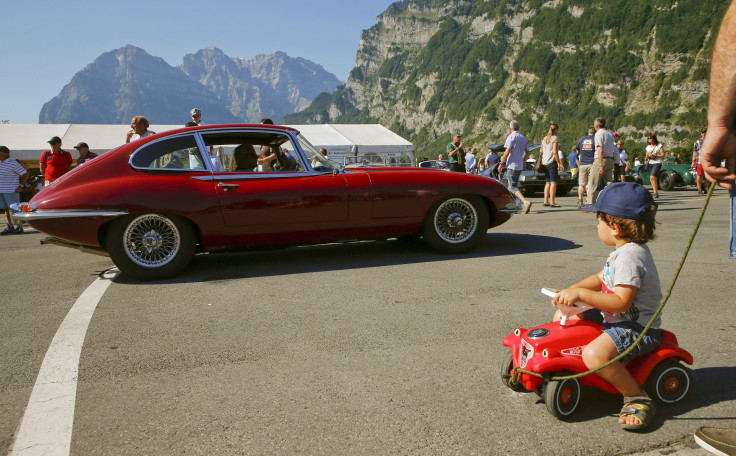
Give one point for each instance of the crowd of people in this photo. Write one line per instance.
(595, 161)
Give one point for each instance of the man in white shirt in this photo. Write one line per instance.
(605, 147)
(138, 129)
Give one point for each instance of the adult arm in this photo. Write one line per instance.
(720, 142)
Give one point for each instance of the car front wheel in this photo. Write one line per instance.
(666, 181)
(456, 225)
(151, 246)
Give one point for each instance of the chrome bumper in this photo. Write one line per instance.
(29, 212)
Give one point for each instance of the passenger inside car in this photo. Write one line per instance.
(245, 157)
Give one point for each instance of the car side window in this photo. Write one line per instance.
(253, 151)
(180, 153)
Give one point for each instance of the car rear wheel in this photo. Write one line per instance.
(151, 246)
(666, 181)
(456, 224)
(669, 382)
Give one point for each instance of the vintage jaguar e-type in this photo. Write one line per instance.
(155, 202)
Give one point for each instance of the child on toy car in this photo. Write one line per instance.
(625, 294)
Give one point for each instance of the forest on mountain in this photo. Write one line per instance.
(429, 67)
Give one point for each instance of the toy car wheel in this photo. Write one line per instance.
(151, 246)
(456, 225)
(669, 382)
(508, 364)
(562, 397)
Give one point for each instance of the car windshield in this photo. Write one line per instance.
(317, 160)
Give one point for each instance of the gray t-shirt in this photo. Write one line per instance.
(632, 264)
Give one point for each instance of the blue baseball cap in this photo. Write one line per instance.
(627, 200)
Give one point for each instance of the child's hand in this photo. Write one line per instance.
(567, 297)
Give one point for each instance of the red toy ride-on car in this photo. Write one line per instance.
(555, 349)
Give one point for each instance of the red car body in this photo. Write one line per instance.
(237, 208)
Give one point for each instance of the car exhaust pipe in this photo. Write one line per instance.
(84, 248)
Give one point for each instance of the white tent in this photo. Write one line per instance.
(27, 141)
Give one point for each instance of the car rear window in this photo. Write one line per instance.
(180, 153)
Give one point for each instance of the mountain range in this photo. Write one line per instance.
(430, 67)
(128, 81)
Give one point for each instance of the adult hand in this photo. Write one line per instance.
(719, 144)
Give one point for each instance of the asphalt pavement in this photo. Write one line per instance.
(378, 347)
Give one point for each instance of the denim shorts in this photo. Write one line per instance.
(655, 169)
(552, 174)
(624, 333)
(513, 178)
(6, 199)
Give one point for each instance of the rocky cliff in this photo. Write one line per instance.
(429, 67)
(128, 81)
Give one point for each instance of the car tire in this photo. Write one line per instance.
(561, 397)
(508, 364)
(151, 246)
(666, 181)
(669, 382)
(562, 191)
(456, 224)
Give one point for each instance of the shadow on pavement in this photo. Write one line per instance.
(349, 255)
(711, 385)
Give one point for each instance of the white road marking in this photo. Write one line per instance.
(46, 428)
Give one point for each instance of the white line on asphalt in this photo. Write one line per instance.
(46, 428)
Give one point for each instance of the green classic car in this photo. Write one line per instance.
(671, 176)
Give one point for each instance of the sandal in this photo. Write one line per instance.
(546, 204)
(554, 205)
(640, 407)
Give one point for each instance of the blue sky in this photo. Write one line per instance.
(44, 43)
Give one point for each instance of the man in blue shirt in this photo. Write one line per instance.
(573, 159)
(586, 149)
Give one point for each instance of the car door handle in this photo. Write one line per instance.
(228, 186)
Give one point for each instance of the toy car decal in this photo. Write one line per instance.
(574, 351)
(527, 351)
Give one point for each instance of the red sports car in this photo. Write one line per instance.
(155, 202)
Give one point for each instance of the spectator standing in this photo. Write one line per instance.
(55, 162)
(455, 155)
(696, 160)
(12, 178)
(550, 157)
(587, 151)
(605, 147)
(84, 154)
(616, 159)
(138, 129)
(471, 164)
(720, 144)
(492, 160)
(637, 162)
(196, 116)
(655, 153)
(573, 159)
(623, 163)
(516, 154)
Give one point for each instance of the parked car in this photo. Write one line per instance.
(155, 202)
(671, 176)
(443, 165)
(531, 181)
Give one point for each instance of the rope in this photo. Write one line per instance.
(517, 371)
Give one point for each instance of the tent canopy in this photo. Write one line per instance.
(27, 141)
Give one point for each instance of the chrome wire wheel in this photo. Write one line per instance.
(151, 240)
(455, 220)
